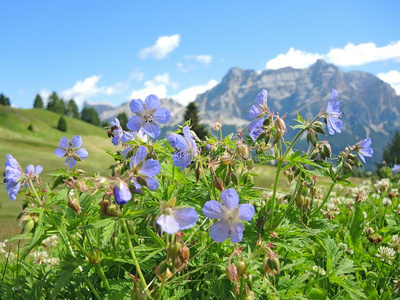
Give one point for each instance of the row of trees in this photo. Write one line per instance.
(68, 108)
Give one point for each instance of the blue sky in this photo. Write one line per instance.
(115, 50)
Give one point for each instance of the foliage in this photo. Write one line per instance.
(123, 119)
(55, 104)
(87, 236)
(62, 124)
(192, 114)
(4, 100)
(30, 127)
(72, 109)
(89, 115)
(38, 102)
(391, 154)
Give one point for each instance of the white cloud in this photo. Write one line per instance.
(183, 68)
(204, 59)
(350, 55)
(136, 75)
(88, 88)
(164, 45)
(293, 58)
(393, 78)
(158, 86)
(188, 95)
(44, 94)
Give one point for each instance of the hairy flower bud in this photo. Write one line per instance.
(28, 226)
(103, 206)
(81, 186)
(300, 201)
(242, 150)
(74, 204)
(241, 267)
(249, 281)
(184, 253)
(173, 250)
(219, 184)
(111, 210)
(232, 272)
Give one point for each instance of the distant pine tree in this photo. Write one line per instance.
(391, 153)
(89, 114)
(62, 124)
(72, 109)
(30, 127)
(123, 120)
(192, 113)
(38, 102)
(4, 100)
(56, 104)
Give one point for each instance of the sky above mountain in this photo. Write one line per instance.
(117, 50)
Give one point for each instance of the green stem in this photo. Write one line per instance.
(103, 276)
(297, 137)
(271, 221)
(220, 135)
(291, 202)
(205, 179)
(135, 261)
(77, 244)
(325, 200)
(33, 190)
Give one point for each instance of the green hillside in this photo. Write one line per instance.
(37, 147)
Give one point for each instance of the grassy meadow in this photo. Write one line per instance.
(37, 147)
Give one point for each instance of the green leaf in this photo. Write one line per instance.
(357, 226)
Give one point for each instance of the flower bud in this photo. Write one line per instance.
(299, 201)
(267, 121)
(278, 135)
(250, 164)
(74, 204)
(249, 281)
(232, 273)
(28, 226)
(327, 150)
(242, 150)
(173, 250)
(163, 267)
(219, 184)
(81, 186)
(198, 173)
(280, 124)
(274, 264)
(227, 160)
(137, 294)
(103, 206)
(249, 296)
(241, 267)
(184, 253)
(111, 210)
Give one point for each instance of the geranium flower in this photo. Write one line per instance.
(172, 219)
(143, 171)
(257, 112)
(396, 169)
(116, 132)
(147, 115)
(363, 148)
(12, 176)
(230, 215)
(122, 194)
(186, 146)
(334, 114)
(32, 172)
(71, 150)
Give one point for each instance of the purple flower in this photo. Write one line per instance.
(396, 169)
(173, 219)
(257, 112)
(32, 172)
(122, 194)
(186, 146)
(71, 150)
(334, 114)
(147, 115)
(143, 171)
(255, 128)
(230, 215)
(12, 176)
(116, 132)
(363, 149)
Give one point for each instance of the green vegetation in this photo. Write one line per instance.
(38, 102)
(37, 147)
(89, 115)
(123, 120)
(4, 100)
(391, 154)
(192, 114)
(62, 124)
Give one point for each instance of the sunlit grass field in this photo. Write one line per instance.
(37, 147)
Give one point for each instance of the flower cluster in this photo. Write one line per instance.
(186, 146)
